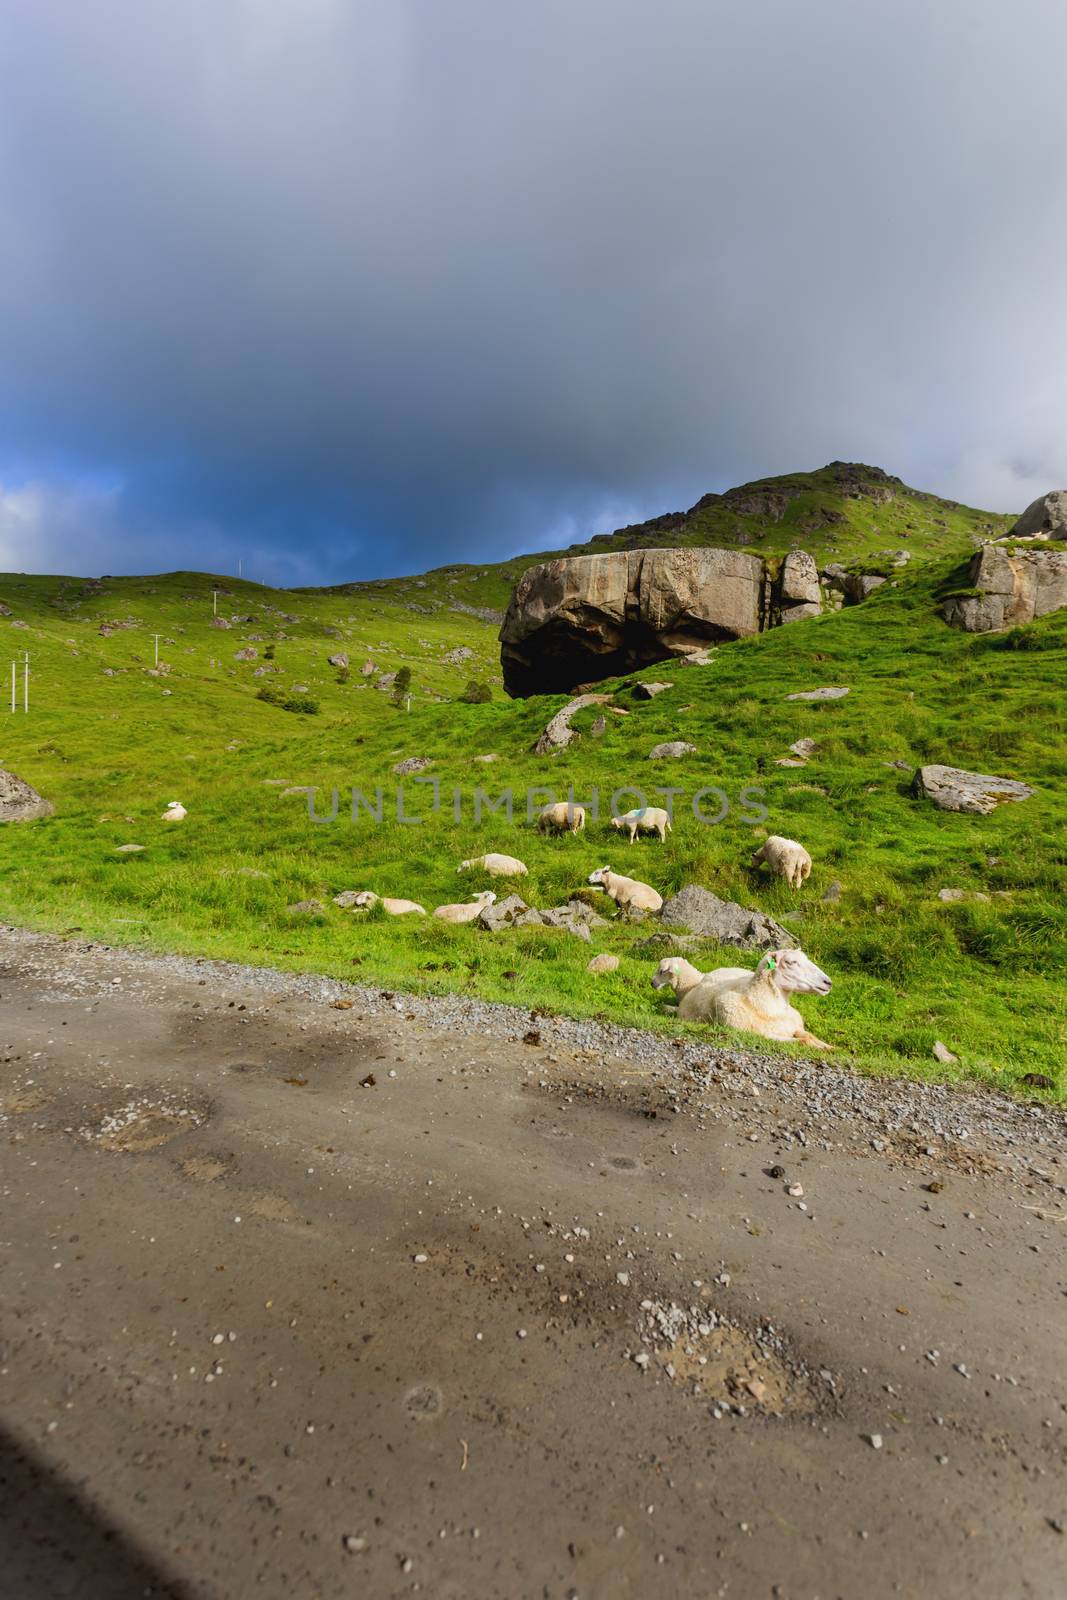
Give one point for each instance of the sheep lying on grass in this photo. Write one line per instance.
(675, 972)
(496, 865)
(175, 812)
(627, 893)
(786, 858)
(757, 1002)
(468, 911)
(561, 818)
(394, 908)
(645, 819)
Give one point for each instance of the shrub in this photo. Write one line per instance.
(293, 702)
(476, 694)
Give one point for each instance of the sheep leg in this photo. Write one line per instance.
(809, 1038)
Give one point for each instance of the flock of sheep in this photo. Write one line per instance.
(736, 997)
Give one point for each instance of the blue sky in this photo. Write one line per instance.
(340, 289)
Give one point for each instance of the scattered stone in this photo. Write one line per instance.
(354, 1544)
(128, 849)
(796, 1190)
(492, 756)
(833, 891)
(832, 692)
(776, 1172)
(306, 908)
(249, 653)
(705, 914)
(339, 660)
(368, 669)
(603, 963)
(943, 1054)
(804, 748)
(219, 622)
(953, 789)
(673, 750)
(403, 769)
(20, 803)
(875, 1441)
(456, 657)
(649, 691)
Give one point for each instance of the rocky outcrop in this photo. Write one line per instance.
(559, 733)
(1011, 589)
(20, 803)
(952, 789)
(1045, 518)
(797, 592)
(704, 913)
(591, 617)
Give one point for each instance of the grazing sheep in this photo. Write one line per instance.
(562, 817)
(645, 819)
(496, 865)
(785, 857)
(468, 911)
(394, 908)
(676, 973)
(757, 1002)
(175, 812)
(627, 893)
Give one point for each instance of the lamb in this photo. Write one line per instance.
(644, 819)
(496, 865)
(175, 812)
(394, 908)
(466, 912)
(677, 973)
(627, 893)
(785, 857)
(756, 1003)
(562, 817)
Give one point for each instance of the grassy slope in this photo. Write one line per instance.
(907, 969)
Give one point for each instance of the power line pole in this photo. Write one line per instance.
(13, 669)
(214, 602)
(26, 684)
(157, 637)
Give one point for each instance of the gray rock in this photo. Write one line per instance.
(673, 750)
(602, 963)
(833, 891)
(952, 789)
(249, 653)
(704, 913)
(462, 653)
(339, 660)
(306, 908)
(649, 691)
(832, 692)
(581, 618)
(512, 912)
(368, 669)
(20, 803)
(805, 748)
(346, 899)
(1045, 518)
(797, 592)
(128, 849)
(219, 622)
(386, 680)
(943, 1053)
(403, 769)
(599, 728)
(1015, 588)
(559, 733)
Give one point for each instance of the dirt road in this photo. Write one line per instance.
(305, 1301)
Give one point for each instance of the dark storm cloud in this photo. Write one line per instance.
(346, 288)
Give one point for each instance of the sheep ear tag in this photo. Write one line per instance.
(771, 963)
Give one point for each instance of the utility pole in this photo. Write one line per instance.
(157, 637)
(12, 685)
(214, 602)
(26, 684)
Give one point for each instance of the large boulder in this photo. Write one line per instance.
(798, 594)
(1013, 588)
(724, 920)
(952, 789)
(590, 617)
(1045, 518)
(20, 803)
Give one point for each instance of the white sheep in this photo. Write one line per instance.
(756, 1003)
(175, 812)
(628, 893)
(676, 973)
(644, 819)
(563, 817)
(393, 908)
(497, 866)
(785, 857)
(468, 911)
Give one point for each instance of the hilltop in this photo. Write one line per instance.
(110, 739)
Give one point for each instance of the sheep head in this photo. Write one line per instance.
(598, 876)
(793, 973)
(672, 970)
(366, 897)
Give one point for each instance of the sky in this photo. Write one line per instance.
(339, 289)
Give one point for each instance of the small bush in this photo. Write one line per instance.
(1026, 639)
(268, 654)
(476, 694)
(292, 702)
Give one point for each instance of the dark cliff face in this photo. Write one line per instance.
(579, 620)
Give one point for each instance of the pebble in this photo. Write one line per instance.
(419, 1259)
(875, 1441)
(354, 1543)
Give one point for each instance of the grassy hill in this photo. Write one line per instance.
(110, 743)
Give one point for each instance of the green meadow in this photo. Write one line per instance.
(109, 740)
